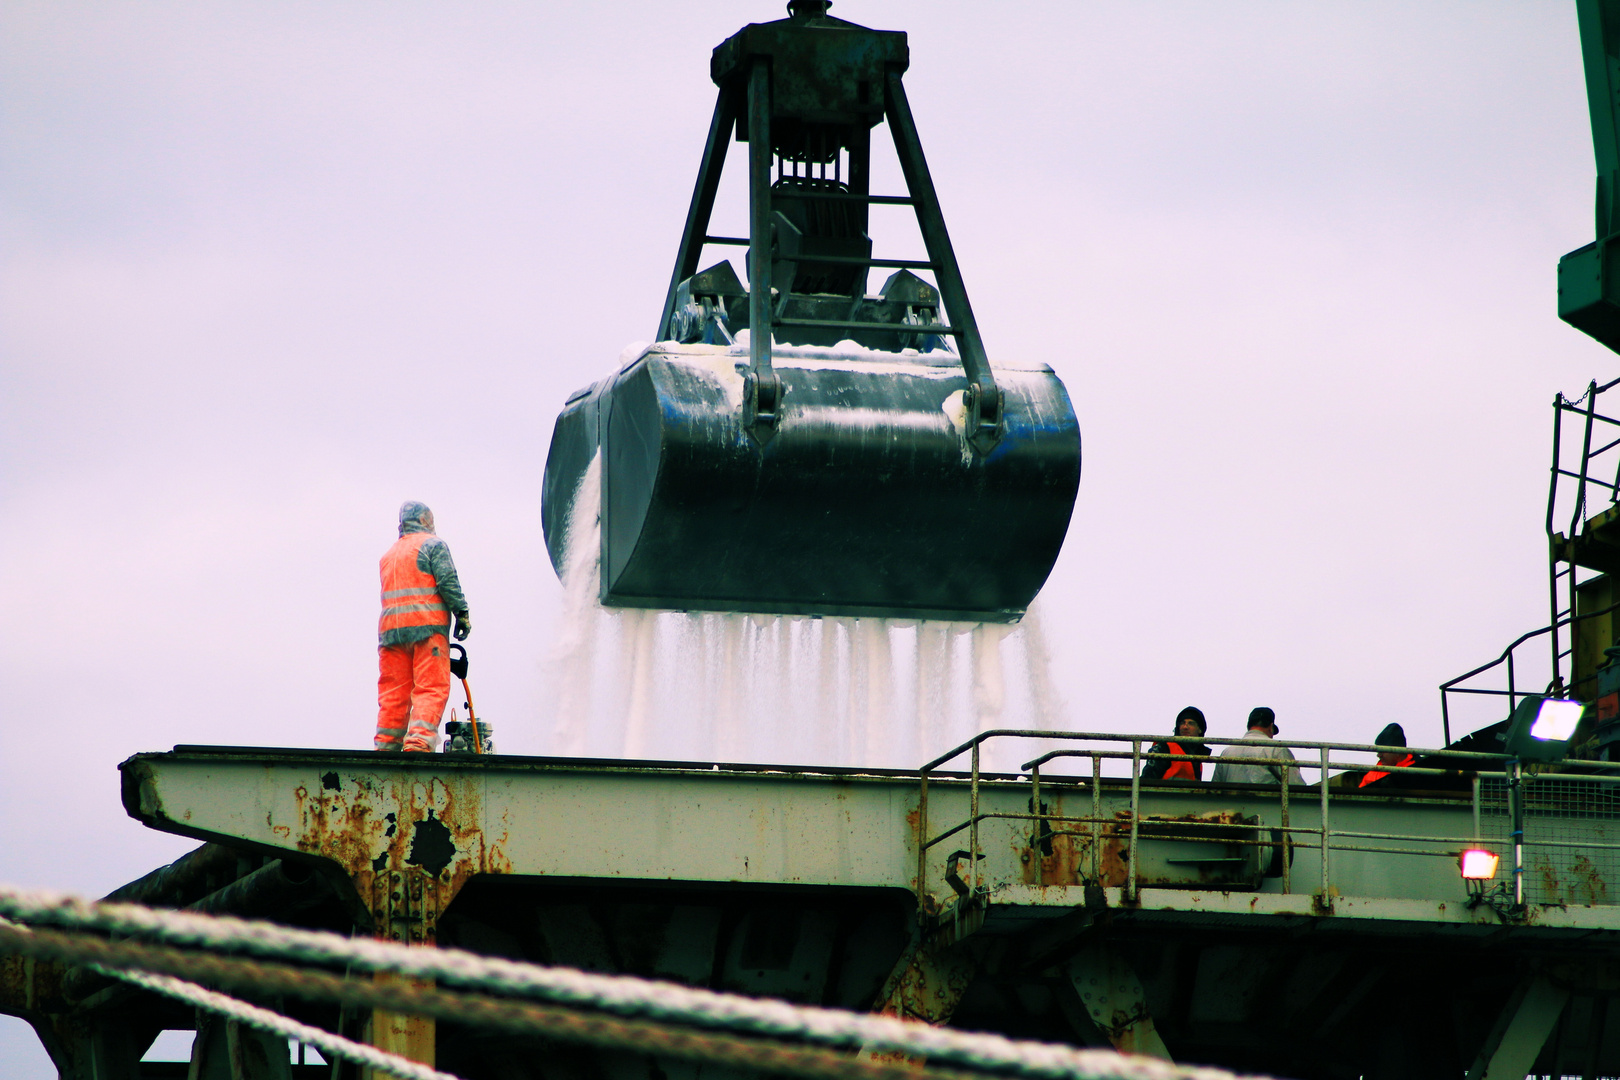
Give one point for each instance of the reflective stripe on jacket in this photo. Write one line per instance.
(1374, 777)
(1181, 770)
(410, 596)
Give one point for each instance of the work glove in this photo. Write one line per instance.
(463, 626)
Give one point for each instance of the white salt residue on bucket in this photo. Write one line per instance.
(787, 689)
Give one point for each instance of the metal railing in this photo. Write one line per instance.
(1501, 773)
(1575, 473)
(1506, 661)
(1562, 568)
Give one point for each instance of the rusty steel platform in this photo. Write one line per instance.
(1215, 924)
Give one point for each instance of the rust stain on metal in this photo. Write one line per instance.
(29, 985)
(1224, 834)
(1071, 844)
(931, 986)
(408, 841)
(1125, 1030)
(1588, 886)
(356, 824)
(1549, 879)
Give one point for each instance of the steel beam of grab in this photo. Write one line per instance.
(762, 390)
(693, 236)
(762, 393)
(983, 399)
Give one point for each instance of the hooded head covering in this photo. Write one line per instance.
(413, 517)
(1392, 735)
(1262, 717)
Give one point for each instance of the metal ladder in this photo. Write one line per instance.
(1586, 544)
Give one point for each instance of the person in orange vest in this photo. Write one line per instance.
(1392, 735)
(1184, 749)
(420, 593)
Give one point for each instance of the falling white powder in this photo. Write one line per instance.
(638, 629)
(787, 689)
(572, 660)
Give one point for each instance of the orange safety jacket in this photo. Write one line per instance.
(1181, 770)
(1371, 777)
(410, 596)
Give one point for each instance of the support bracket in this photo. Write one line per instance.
(1114, 999)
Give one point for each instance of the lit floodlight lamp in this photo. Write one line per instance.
(1557, 719)
(1541, 727)
(1477, 864)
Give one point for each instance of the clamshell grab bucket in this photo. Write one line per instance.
(859, 454)
(869, 500)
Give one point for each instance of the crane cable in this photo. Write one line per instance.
(599, 1009)
(252, 1015)
(153, 967)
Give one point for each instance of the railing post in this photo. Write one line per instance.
(1586, 457)
(1477, 836)
(1096, 818)
(1552, 552)
(973, 810)
(1324, 786)
(1286, 850)
(1136, 814)
(1039, 822)
(1516, 809)
(922, 847)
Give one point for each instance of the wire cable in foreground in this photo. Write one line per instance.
(276, 1024)
(689, 1011)
(563, 1023)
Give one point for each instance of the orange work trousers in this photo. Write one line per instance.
(413, 686)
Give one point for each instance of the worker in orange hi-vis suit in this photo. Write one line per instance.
(420, 592)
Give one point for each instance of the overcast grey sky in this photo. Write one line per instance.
(271, 268)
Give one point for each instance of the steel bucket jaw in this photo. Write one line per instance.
(868, 501)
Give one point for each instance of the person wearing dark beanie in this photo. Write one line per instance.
(1186, 753)
(1392, 735)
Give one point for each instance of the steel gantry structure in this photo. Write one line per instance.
(1315, 930)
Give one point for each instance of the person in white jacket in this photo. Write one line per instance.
(1257, 760)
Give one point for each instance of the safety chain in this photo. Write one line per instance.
(655, 1004)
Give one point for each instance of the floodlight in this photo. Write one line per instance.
(1557, 719)
(1478, 864)
(1541, 727)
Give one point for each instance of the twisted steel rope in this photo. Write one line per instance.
(115, 961)
(566, 1023)
(625, 996)
(276, 1024)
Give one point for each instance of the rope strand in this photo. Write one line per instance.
(624, 996)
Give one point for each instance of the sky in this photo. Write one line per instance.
(269, 269)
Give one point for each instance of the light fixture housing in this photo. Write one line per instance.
(1477, 864)
(1541, 727)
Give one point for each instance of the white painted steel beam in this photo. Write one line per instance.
(389, 820)
(1114, 999)
(1520, 1031)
